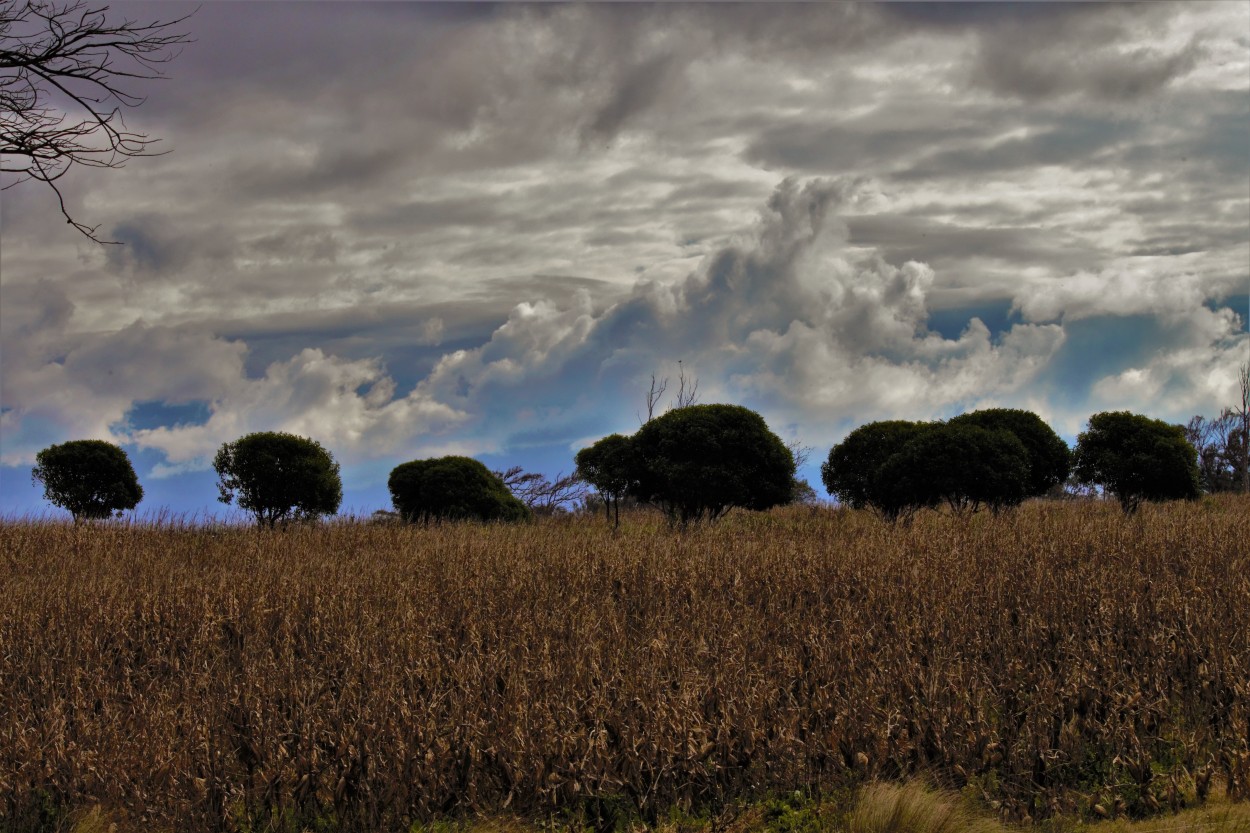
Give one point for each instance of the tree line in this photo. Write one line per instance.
(696, 462)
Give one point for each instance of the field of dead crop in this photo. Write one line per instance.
(1059, 660)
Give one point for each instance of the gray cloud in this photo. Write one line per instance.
(421, 228)
(860, 145)
(1081, 68)
(1076, 141)
(790, 302)
(153, 246)
(1097, 51)
(641, 87)
(917, 238)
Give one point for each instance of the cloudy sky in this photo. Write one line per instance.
(410, 230)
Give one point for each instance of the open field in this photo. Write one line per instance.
(1062, 661)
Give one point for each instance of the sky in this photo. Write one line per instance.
(408, 230)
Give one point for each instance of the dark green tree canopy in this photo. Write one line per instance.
(452, 488)
(1049, 457)
(90, 478)
(1137, 458)
(278, 476)
(699, 461)
(850, 473)
(609, 466)
(959, 464)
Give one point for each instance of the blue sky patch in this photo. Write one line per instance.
(996, 315)
(156, 414)
(1239, 304)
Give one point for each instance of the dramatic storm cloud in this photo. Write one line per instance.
(415, 229)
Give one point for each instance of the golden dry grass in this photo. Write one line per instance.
(369, 677)
(911, 808)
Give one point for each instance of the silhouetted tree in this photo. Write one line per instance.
(452, 488)
(804, 494)
(609, 466)
(698, 461)
(850, 474)
(90, 478)
(1137, 458)
(278, 476)
(960, 464)
(1220, 446)
(1050, 460)
(1243, 379)
(63, 71)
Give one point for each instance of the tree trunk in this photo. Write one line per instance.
(1244, 379)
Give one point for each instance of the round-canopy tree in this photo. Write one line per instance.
(1137, 458)
(90, 478)
(1049, 457)
(850, 473)
(698, 461)
(278, 476)
(608, 465)
(960, 464)
(452, 488)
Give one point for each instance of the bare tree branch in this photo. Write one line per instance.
(799, 452)
(685, 396)
(653, 397)
(1243, 377)
(543, 496)
(687, 393)
(63, 67)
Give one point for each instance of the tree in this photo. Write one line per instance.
(1243, 380)
(278, 476)
(1220, 446)
(1049, 457)
(452, 488)
(1137, 458)
(804, 494)
(63, 71)
(608, 465)
(541, 494)
(850, 474)
(960, 464)
(700, 460)
(90, 478)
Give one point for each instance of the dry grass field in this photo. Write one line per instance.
(1059, 663)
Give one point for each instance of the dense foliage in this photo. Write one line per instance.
(90, 478)
(1049, 458)
(452, 488)
(1137, 458)
(278, 476)
(961, 465)
(995, 458)
(852, 471)
(609, 466)
(699, 461)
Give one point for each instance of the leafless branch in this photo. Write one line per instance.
(687, 392)
(543, 496)
(1243, 377)
(653, 397)
(1221, 447)
(799, 452)
(63, 67)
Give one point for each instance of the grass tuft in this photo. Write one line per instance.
(913, 808)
